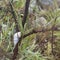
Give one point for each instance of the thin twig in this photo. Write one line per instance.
(52, 40)
(14, 16)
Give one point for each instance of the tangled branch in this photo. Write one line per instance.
(26, 35)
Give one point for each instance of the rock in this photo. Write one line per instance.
(44, 4)
(40, 22)
(47, 4)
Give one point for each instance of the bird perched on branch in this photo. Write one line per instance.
(16, 38)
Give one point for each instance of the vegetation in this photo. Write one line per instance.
(40, 31)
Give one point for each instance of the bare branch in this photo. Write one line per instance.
(30, 33)
(25, 12)
(14, 16)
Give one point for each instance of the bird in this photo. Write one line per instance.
(16, 37)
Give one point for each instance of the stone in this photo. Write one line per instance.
(44, 4)
(40, 22)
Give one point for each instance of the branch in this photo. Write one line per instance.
(30, 33)
(14, 16)
(23, 23)
(52, 40)
(25, 12)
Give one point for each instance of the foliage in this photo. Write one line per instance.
(32, 47)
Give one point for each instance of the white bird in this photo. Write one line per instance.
(16, 38)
